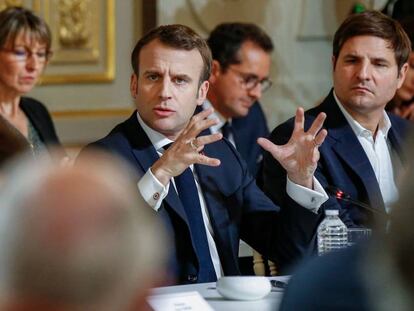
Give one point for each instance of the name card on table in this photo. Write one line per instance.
(179, 302)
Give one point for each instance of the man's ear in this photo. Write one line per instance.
(333, 59)
(133, 85)
(202, 92)
(401, 74)
(215, 71)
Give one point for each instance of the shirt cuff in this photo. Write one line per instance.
(152, 190)
(308, 198)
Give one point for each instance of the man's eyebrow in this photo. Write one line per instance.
(151, 71)
(380, 60)
(356, 55)
(252, 75)
(352, 54)
(182, 76)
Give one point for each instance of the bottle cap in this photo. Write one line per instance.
(331, 212)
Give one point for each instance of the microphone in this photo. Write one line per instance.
(342, 196)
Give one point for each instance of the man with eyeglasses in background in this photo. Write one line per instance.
(240, 74)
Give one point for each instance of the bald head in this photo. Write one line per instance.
(79, 236)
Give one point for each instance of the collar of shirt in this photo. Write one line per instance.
(215, 115)
(157, 139)
(359, 130)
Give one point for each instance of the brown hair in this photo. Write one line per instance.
(16, 20)
(374, 23)
(176, 36)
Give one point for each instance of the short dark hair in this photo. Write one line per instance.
(176, 36)
(374, 23)
(226, 39)
(16, 20)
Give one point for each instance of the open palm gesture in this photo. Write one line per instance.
(299, 157)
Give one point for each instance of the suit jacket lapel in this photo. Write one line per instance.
(348, 147)
(145, 154)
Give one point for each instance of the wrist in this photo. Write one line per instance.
(160, 173)
(302, 181)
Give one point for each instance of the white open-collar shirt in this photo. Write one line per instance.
(378, 151)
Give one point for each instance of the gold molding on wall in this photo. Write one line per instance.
(102, 77)
(92, 113)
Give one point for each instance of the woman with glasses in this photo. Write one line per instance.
(25, 43)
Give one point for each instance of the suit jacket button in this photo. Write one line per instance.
(156, 196)
(192, 278)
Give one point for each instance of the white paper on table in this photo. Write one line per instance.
(179, 302)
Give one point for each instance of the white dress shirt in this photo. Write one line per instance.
(377, 150)
(217, 128)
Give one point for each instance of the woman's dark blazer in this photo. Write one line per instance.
(37, 113)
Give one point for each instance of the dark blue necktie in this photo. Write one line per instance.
(227, 130)
(188, 194)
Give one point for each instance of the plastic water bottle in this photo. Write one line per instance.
(332, 233)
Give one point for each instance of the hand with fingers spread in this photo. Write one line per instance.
(187, 149)
(299, 157)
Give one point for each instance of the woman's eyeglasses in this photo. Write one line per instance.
(23, 54)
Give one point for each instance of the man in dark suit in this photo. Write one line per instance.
(375, 275)
(331, 282)
(361, 155)
(240, 74)
(195, 181)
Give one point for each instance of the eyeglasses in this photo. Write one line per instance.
(23, 54)
(250, 81)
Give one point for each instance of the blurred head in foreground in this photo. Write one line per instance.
(399, 242)
(76, 238)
